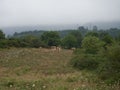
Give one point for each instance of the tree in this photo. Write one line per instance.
(81, 28)
(2, 35)
(69, 41)
(95, 28)
(107, 39)
(31, 41)
(92, 33)
(77, 34)
(14, 42)
(51, 38)
(3, 42)
(91, 44)
(118, 38)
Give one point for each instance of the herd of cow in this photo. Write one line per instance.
(55, 49)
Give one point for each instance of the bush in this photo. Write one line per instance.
(4, 43)
(84, 62)
(92, 44)
(110, 68)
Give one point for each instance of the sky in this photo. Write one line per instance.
(57, 12)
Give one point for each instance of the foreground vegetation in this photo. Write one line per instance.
(43, 69)
(89, 61)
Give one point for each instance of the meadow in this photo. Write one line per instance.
(43, 69)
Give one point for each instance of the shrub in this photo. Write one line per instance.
(3, 43)
(110, 68)
(84, 62)
(92, 44)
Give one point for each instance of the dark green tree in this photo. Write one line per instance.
(77, 34)
(14, 42)
(3, 41)
(107, 39)
(69, 41)
(2, 35)
(92, 33)
(51, 38)
(31, 41)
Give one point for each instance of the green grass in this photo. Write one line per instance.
(43, 69)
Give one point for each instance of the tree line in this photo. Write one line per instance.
(65, 39)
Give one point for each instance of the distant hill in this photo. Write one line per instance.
(39, 33)
(100, 25)
(104, 25)
(114, 32)
(12, 30)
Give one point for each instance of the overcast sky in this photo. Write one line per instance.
(56, 12)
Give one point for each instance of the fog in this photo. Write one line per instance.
(57, 12)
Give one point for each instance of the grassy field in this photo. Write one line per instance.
(43, 69)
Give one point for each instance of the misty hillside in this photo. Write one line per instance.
(100, 25)
(39, 33)
(114, 32)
